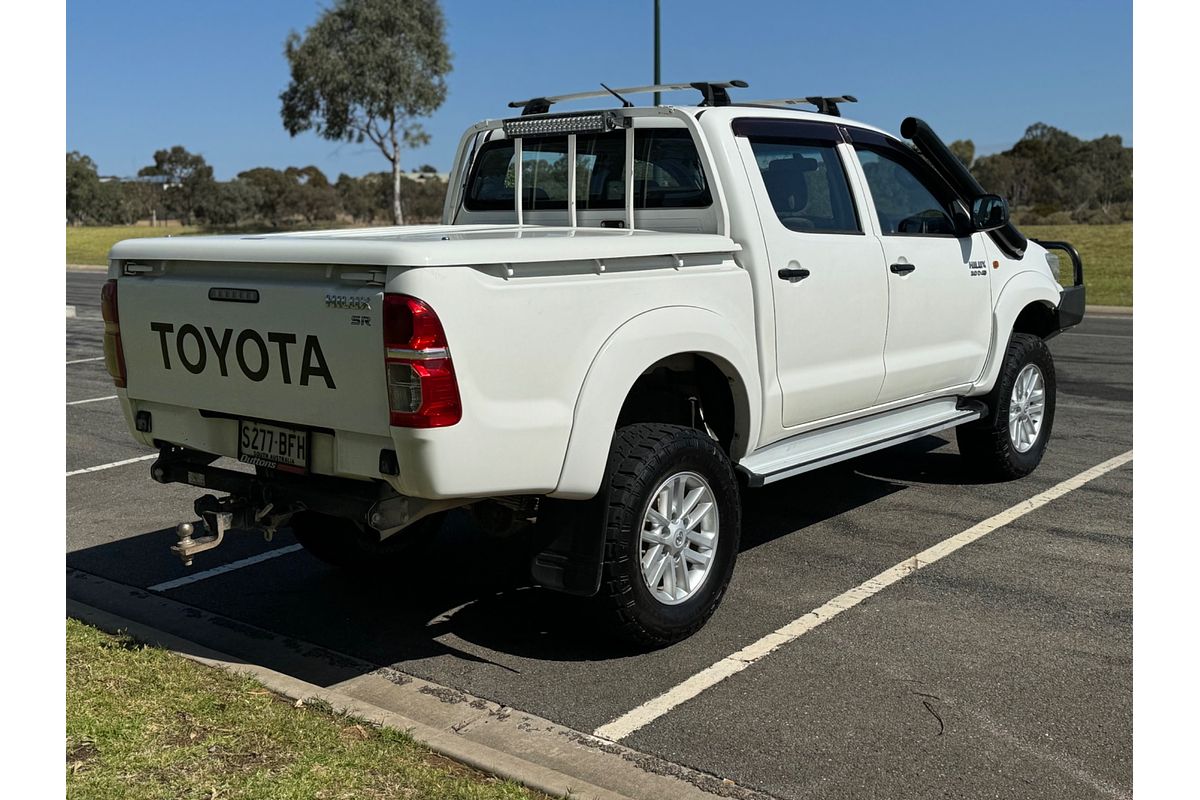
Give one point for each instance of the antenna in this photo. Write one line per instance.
(624, 103)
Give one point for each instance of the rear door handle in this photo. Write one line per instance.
(903, 269)
(794, 275)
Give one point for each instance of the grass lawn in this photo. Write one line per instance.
(146, 723)
(1107, 252)
(90, 245)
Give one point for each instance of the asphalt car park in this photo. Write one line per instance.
(1003, 669)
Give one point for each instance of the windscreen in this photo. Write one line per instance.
(666, 172)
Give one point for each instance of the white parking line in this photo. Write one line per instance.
(113, 464)
(651, 710)
(221, 570)
(85, 360)
(91, 400)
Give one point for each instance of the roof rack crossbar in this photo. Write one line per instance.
(716, 93)
(825, 105)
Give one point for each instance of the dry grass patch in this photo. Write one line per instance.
(1107, 252)
(146, 723)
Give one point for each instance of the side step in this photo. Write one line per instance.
(825, 446)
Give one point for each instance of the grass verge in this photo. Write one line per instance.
(90, 244)
(146, 723)
(1107, 252)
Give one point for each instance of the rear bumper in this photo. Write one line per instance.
(476, 458)
(335, 496)
(372, 504)
(335, 454)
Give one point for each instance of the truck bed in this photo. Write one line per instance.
(286, 330)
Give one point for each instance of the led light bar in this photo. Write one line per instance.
(563, 124)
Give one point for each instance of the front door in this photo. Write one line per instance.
(940, 309)
(827, 277)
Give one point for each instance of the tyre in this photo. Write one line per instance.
(672, 525)
(344, 543)
(1010, 441)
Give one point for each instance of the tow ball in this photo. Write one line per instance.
(218, 516)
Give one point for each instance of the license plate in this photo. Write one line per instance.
(275, 446)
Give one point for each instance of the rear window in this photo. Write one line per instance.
(666, 173)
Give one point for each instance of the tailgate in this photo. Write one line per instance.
(294, 343)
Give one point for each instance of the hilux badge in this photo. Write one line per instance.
(348, 301)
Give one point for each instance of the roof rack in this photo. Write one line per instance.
(825, 105)
(716, 93)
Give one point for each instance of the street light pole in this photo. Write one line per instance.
(657, 74)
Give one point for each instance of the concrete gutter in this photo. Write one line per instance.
(86, 268)
(497, 739)
(1109, 311)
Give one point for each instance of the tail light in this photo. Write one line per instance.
(114, 355)
(422, 388)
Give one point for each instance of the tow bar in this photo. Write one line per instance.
(220, 515)
(268, 502)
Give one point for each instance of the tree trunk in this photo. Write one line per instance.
(397, 213)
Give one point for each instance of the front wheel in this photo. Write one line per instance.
(1010, 441)
(672, 525)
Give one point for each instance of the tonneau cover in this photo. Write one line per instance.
(426, 246)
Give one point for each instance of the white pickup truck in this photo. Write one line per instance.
(626, 316)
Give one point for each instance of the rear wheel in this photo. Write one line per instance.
(1010, 441)
(349, 545)
(672, 524)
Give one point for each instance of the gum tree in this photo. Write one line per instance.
(366, 71)
(188, 179)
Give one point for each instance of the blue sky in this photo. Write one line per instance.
(144, 75)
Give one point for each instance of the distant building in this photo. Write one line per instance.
(163, 180)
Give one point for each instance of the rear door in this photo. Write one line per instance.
(939, 319)
(828, 280)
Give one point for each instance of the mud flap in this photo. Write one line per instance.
(570, 546)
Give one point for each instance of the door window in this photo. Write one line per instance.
(905, 205)
(807, 185)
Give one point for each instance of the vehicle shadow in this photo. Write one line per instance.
(942, 468)
(467, 595)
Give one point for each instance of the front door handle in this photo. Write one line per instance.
(903, 269)
(794, 275)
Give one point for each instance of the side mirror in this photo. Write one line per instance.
(989, 212)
